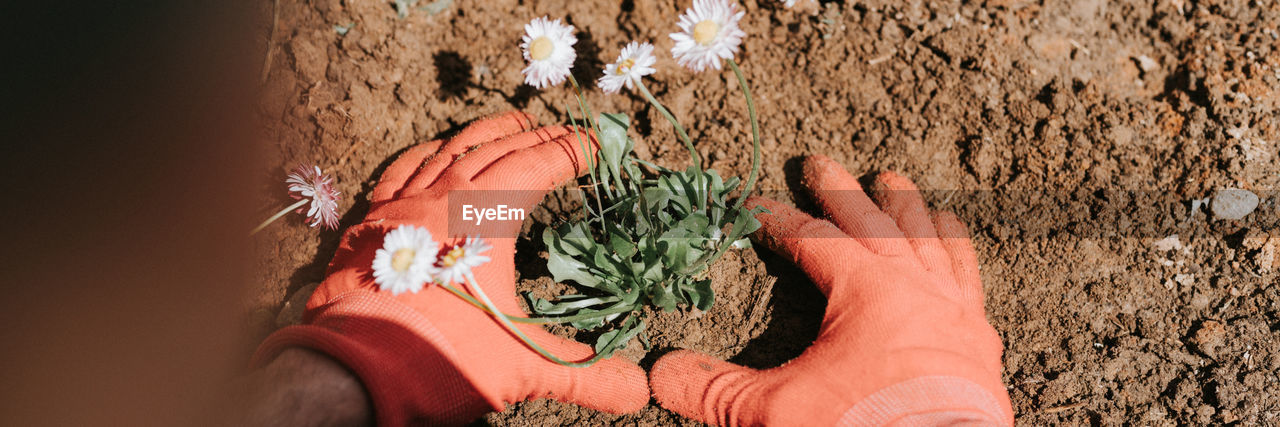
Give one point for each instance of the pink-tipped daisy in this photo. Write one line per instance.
(635, 61)
(456, 265)
(708, 33)
(406, 261)
(548, 47)
(310, 183)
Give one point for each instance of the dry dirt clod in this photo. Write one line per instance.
(1210, 338)
(1254, 239)
(1265, 247)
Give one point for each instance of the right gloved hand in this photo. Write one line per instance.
(904, 339)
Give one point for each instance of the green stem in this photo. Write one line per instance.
(755, 161)
(688, 143)
(502, 318)
(755, 136)
(591, 122)
(284, 211)
(590, 168)
(535, 320)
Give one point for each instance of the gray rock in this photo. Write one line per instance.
(1233, 203)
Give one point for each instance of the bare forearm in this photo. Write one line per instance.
(303, 388)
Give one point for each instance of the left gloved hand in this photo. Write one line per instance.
(428, 356)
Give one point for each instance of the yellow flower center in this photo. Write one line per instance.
(705, 32)
(541, 48)
(625, 66)
(451, 258)
(402, 259)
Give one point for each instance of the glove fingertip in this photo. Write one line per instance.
(630, 384)
(693, 384)
(612, 385)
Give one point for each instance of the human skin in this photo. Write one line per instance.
(300, 388)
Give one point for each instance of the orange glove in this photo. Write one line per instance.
(428, 357)
(904, 339)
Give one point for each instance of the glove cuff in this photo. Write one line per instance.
(933, 400)
(407, 367)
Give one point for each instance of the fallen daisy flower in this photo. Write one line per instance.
(635, 61)
(456, 267)
(310, 185)
(456, 264)
(406, 261)
(708, 33)
(548, 47)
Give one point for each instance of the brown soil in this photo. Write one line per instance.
(1070, 136)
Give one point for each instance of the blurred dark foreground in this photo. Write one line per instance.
(128, 138)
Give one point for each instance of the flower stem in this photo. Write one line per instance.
(755, 135)
(755, 164)
(590, 168)
(591, 124)
(502, 318)
(688, 143)
(282, 212)
(536, 320)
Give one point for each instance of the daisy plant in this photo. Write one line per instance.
(309, 185)
(648, 234)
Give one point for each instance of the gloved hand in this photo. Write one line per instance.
(904, 339)
(429, 357)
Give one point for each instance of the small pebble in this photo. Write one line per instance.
(1147, 63)
(1196, 204)
(1233, 203)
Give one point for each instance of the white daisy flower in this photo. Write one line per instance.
(635, 61)
(456, 264)
(548, 47)
(788, 3)
(406, 261)
(709, 33)
(310, 183)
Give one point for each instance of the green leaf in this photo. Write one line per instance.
(696, 225)
(621, 244)
(746, 222)
(664, 298)
(610, 341)
(588, 324)
(562, 261)
(602, 343)
(702, 297)
(614, 144)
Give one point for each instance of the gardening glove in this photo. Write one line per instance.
(904, 339)
(429, 357)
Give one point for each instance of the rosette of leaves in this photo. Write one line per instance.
(647, 237)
